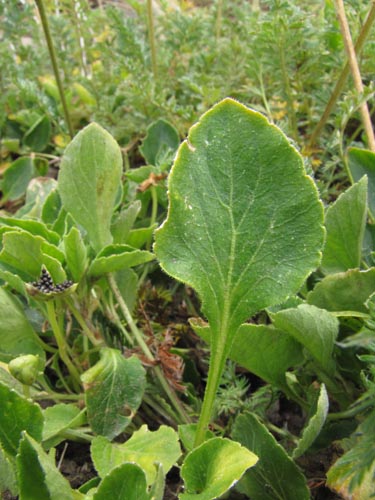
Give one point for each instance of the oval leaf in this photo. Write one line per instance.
(89, 179)
(17, 415)
(244, 226)
(113, 391)
(345, 223)
(126, 482)
(213, 468)
(275, 476)
(144, 448)
(362, 162)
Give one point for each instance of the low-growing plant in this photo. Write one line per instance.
(245, 229)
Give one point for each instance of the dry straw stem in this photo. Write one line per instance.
(353, 63)
(366, 28)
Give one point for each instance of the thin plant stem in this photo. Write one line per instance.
(82, 323)
(52, 54)
(146, 351)
(151, 36)
(354, 67)
(62, 345)
(219, 18)
(366, 28)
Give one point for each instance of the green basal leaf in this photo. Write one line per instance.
(34, 227)
(160, 143)
(89, 179)
(139, 237)
(38, 135)
(362, 162)
(17, 336)
(345, 224)
(51, 207)
(16, 178)
(36, 194)
(17, 415)
(75, 253)
(116, 257)
(38, 475)
(28, 264)
(158, 488)
(315, 424)
(213, 468)
(344, 291)
(58, 418)
(244, 226)
(275, 476)
(126, 482)
(8, 479)
(124, 222)
(114, 389)
(316, 329)
(145, 448)
(262, 349)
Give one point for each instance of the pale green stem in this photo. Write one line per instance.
(217, 362)
(82, 323)
(52, 54)
(26, 391)
(142, 344)
(62, 345)
(354, 67)
(114, 317)
(366, 29)
(151, 36)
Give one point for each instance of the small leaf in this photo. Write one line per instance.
(17, 415)
(160, 143)
(76, 254)
(126, 482)
(316, 329)
(38, 135)
(59, 417)
(113, 392)
(28, 264)
(316, 422)
(344, 291)
(345, 224)
(116, 257)
(213, 468)
(124, 222)
(8, 479)
(38, 475)
(362, 162)
(36, 228)
(275, 476)
(89, 179)
(145, 448)
(16, 178)
(17, 336)
(36, 193)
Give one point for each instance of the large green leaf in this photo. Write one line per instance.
(17, 336)
(117, 257)
(38, 476)
(113, 391)
(213, 468)
(126, 482)
(244, 226)
(316, 329)
(344, 291)
(17, 415)
(89, 180)
(362, 162)
(262, 349)
(275, 476)
(145, 448)
(345, 223)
